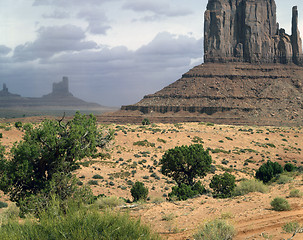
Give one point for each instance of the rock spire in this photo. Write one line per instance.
(247, 31)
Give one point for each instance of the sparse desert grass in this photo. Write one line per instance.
(251, 185)
(284, 178)
(109, 202)
(77, 224)
(295, 193)
(217, 229)
(168, 217)
(280, 204)
(10, 213)
(144, 143)
(291, 227)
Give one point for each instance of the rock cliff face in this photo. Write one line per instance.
(247, 31)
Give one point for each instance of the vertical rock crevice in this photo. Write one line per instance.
(247, 31)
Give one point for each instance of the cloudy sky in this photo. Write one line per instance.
(113, 51)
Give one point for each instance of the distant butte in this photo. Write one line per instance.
(252, 71)
(59, 97)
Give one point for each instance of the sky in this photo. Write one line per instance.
(113, 51)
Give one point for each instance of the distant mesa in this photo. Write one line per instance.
(4, 93)
(252, 71)
(59, 97)
(60, 89)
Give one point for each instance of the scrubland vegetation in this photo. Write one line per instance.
(146, 166)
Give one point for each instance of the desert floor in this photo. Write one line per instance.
(240, 150)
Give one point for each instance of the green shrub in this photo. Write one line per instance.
(289, 167)
(3, 204)
(18, 125)
(139, 192)
(97, 176)
(161, 140)
(145, 121)
(252, 185)
(92, 182)
(223, 185)
(48, 155)
(62, 189)
(215, 230)
(280, 204)
(268, 171)
(183, 192)
(144, 143)
(185, 163)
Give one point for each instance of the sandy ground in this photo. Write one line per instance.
(238, 149)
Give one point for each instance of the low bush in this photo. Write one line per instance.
(3, 204)
(295, 193)
(280, 204)
(92, 182)
(268, 171)
(144, 143)
(252, 185)
(139, 192)
(291, 227)
(283, 179)
(18, 125)
(145, 121)
(215, 230)
(183, 192)
(223, 185)
(289, 167)
(97, 176)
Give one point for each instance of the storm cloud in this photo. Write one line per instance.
(158, 9)
(97, 20)
(53, 40)
(110, 76)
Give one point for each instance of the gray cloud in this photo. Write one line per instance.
(53, 40)
(57, 14)
(110, 76)
(4, 50)
(158, 9)
(68, 3)
(97, 21)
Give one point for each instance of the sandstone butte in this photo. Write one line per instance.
(252, 72)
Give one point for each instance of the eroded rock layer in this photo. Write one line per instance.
(252, 92)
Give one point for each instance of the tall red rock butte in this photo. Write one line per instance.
(252, 71)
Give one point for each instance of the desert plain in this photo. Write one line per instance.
(135, 153)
